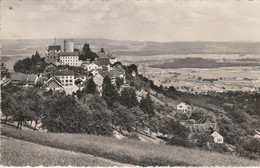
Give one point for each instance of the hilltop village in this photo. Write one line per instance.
(86, 92)
(58, 76)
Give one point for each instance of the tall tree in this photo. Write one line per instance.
(146, 105)
(123, 118)
(109, 93)
(4, 71)
(86, 53)
(128, 98)
(90, 86)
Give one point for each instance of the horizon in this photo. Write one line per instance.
(144, 21)
(102, 38)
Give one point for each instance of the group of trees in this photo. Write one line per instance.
(87, 54)
(4, 71)
(35, 64)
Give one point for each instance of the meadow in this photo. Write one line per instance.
(128, 151)
(21, 153)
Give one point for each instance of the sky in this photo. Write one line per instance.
(138, 20)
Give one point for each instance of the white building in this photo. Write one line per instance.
(66, 77)
(69, 58)
(184, 108)
(217, 137)
(92, 66)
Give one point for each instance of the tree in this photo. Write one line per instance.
(86, 53)
(4, 71)
(202, 140)
(123, 118)
(35, 64)
(90, 86)
(146, 105)
(21, 113)
(99, 122)
(128, 98)
(140, 119)
(119, 82)
(109, 93)
(62, 114)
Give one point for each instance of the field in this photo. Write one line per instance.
(128, 151)
(230, 77)
(21, 153)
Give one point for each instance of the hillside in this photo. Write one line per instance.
(125, 151)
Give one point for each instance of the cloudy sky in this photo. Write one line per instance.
(143, 20)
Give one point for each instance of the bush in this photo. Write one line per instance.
(133, 136)
(179, 141)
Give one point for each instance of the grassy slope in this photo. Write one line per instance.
(129, 151)
(21, 153)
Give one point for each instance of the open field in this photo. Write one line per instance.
(229, 78)
(21, 153)
(128, 151)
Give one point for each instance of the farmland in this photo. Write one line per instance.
(126, 150)
(191, 73)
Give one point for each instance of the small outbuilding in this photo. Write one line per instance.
(217, 137)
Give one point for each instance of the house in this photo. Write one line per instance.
(183, 108)
(94, 72)
(53, 84)
(50, 68)
(23, 79)
(98, 79)
(69, 58)
(67, 77)
(103, 63)
(107, 55)
(217, 137)
(92, 66)
(52, 53)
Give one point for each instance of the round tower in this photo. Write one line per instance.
(68, 45)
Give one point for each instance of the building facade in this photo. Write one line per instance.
(69, 58)
(67, 77)
(52, 53)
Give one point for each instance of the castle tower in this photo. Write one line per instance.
(68, 45)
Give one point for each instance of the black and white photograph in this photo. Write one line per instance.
(127, 83)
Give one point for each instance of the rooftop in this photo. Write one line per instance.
(54, 47)
(23, 77)
(64, 72)
(102, 61)
(69, 54)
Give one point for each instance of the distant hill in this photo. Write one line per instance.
(28, 46)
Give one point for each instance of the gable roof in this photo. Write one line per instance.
(54, 47)
(64, 72)
(183, 104)
(215, 134)
(119, 69)
(102, 61)
(69, 54)
(23, 78)
(104, 73)
(101, 55)
(53, 79)
(114, 73)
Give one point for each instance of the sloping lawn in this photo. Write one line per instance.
(21, 153)
(129, 151)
